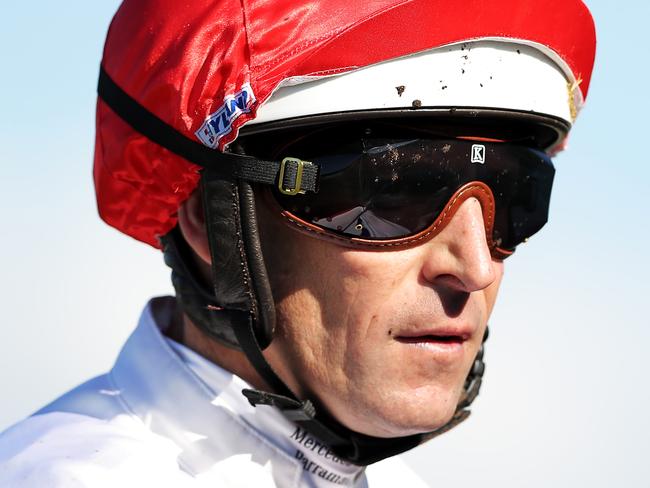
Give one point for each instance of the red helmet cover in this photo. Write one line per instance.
(182, 61)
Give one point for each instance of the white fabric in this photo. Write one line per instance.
(166, 417)
(503, 73)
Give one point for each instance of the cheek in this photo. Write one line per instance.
(370, 288)
(331, 314)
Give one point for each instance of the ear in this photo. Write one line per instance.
(191, 221)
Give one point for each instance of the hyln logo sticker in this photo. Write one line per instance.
(478, 153)
(219, 123)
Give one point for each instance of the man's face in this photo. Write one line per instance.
(383, 339)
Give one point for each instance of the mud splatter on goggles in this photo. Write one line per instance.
(381, 193)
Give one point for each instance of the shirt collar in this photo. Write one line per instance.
(199, 406)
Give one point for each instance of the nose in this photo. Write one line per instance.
(459, 256)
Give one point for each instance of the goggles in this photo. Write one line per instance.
(382, 193)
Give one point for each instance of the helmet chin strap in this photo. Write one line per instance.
(242, 291)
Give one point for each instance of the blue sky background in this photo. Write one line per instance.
(566, 397)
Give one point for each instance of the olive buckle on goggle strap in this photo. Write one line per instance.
(295, 187)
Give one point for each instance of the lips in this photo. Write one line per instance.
(431, 338)
(445, 335)
(445, 343)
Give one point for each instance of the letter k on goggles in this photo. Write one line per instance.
(382, 193)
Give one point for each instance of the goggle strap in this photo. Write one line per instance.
(227, 165)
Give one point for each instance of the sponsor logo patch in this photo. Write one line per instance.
(219, 123)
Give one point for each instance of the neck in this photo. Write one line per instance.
(188, 334)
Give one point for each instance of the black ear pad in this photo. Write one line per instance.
(238, 271)
(240, 295)
(259, 281)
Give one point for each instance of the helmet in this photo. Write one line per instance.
(209, 70)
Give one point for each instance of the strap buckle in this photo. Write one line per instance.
(294, 410)
(295, 188)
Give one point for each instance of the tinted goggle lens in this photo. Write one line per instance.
(392, 190)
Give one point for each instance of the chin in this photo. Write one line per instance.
(408, 413)
(424, 422)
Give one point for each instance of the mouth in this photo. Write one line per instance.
(445, 345)
(432, 339)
